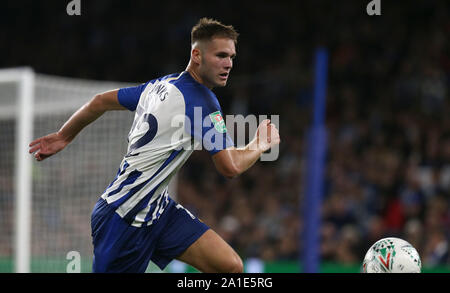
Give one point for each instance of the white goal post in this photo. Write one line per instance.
(24, 78)
(45, 207)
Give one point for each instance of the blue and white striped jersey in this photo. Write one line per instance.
(174, 115)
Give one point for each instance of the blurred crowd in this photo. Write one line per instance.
(388, 103)
(388, 153)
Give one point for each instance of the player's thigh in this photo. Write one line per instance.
(211, 254)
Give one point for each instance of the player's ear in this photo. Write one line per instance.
(196, 55)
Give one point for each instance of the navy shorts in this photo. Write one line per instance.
(120, 247)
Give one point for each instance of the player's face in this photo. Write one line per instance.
(217, 61)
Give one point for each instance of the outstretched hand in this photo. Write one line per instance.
(267, 135)
(47, 146)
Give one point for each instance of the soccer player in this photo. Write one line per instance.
(135, 221)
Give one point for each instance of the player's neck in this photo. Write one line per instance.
(190, 68)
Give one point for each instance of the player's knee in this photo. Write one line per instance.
(239, 266)
(235, 265)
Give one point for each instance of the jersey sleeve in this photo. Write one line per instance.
(129, 96)
(205, 122)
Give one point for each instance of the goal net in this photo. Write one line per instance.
(45, 207)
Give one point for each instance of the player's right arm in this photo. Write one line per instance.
(52, 143)
(231, 162)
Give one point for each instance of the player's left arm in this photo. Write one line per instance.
(52, 143)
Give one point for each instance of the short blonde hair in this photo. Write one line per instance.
(207, 29)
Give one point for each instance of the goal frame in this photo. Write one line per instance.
(23, 110)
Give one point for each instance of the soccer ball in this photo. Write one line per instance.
(391, 255)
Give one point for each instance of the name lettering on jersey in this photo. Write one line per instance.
(159, 89)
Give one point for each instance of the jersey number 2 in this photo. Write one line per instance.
(149, 135)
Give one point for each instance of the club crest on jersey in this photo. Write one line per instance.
(218, 121)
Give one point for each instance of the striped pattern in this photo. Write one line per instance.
(139, 192)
